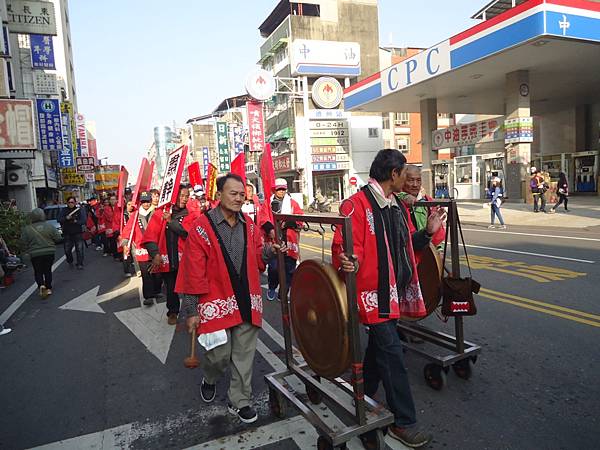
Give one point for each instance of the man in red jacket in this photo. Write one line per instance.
(386, 275)
(219, 279)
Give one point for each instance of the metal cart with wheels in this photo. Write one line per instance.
(460, 354)
(362, 417)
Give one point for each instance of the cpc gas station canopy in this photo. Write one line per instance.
(556, 41)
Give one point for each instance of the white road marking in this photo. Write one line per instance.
(534, 234)
(532, 254)
(89, 301)
(8, 312)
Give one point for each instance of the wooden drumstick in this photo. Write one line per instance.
(191, 362)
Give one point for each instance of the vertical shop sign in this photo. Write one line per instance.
(205, 161)
(42, 52)
(81, 134)
(65, 155)
(49, 124)
(223, 147)
(256, 127)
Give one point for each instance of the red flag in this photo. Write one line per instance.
(267, 175)
(238, 166)
(194, 173)
(144, 179)
(211, 182)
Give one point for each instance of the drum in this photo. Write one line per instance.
(430, 272)
(319, 316)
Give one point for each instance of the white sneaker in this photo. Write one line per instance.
(4, 331)
(43, 292)
(48, 292)
(502, 227)
(491, 227)
(99, 247)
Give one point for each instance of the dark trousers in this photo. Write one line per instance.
(128, 266)
(384, 361)
(42, 270)
(562, 199)
(74, 240)
(111, 246)
(172, 298)
(273, 272)
(104, 241)
(537, 198)
(151, 282)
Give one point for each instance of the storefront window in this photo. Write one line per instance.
(464, 173)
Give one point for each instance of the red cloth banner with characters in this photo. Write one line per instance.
(194, 174)
(256, 126)
(173, 171)
(211, 182)
(267, 175)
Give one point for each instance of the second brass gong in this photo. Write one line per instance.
(319, 314)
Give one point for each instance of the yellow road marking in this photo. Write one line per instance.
(541, 304)
(542, 310)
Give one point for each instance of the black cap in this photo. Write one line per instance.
(145, 197)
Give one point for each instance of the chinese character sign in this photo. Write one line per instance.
(223, 147)
(256, 126)
(173, 171)
(66, 109)
(65, 155)
(468, 134)
(238, 139)
(49, 124)
(205, 161)
(16, 125)
(42, 52)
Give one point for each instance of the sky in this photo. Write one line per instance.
(143, 63)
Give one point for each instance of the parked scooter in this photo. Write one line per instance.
(320, 204)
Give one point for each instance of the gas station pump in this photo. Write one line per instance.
(467, 177)
(494, 165)
(586, 171)
(441, 178)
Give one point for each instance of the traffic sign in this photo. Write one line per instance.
(353, 181)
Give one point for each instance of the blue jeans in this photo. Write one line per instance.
(495, 212)
(384, 361)
(74, 240)
(273, 272)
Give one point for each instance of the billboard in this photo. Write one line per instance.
(16, 125)
(107, 178)
(81, 134)
(49, 123)
(311, 57)
(30, 17)
(42, 52)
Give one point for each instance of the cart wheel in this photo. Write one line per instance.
(323, 444)
(373, 440)
(435, 376)
(311, 209)
(277, 404)
(314, 395)
(463, 368)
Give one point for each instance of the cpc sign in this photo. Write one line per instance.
(424, 65)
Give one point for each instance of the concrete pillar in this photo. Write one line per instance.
(428, 125)
(517, 104)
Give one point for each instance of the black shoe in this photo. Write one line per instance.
(535, 210)
(208, 391)
(148, 301)
(70, 265)
(79, 267)
(246, 414)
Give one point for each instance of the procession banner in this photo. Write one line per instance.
(194, 174)
(173, 172)
(267, 175)
(211, 182)
(238, 167)
(143, 180)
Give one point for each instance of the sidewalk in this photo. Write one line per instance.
(584, 213)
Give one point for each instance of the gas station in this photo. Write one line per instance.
(529, 73)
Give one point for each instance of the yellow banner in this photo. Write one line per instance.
(70, 177)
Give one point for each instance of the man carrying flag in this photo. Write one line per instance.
(136, 228)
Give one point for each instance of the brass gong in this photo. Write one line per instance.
(430, 278)
(319, 314)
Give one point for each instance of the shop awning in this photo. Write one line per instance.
(284, 133)
(556, 41)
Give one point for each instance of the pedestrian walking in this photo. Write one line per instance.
(133, 248)
(102, 226)
(562, 188)
(39, 242)
(386, 276)
(164, 240)
(72, 219)
(219, 279)
(538, 190)
(496, 203)
(282, 203)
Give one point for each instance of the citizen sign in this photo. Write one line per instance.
(424, 65)
(30, 17)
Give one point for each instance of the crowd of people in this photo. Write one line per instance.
(208, 255)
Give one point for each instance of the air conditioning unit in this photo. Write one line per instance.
(17, 177)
